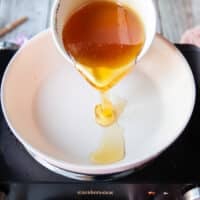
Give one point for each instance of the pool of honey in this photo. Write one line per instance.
(104, 39)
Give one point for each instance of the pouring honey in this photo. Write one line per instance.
(104, 38)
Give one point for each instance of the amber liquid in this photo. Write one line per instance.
(112, 145)
(104, 39)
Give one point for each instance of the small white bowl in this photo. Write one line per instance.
(63, 9)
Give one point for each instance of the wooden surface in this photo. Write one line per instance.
(174, 16)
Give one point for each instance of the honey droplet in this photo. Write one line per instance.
(105, 113)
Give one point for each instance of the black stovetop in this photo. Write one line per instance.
(179, 163)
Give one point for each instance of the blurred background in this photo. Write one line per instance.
(174, 17)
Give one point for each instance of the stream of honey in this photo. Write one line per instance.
(104, 38)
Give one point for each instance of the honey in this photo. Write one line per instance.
(112, 147)
(105, 113)
(104, 39)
